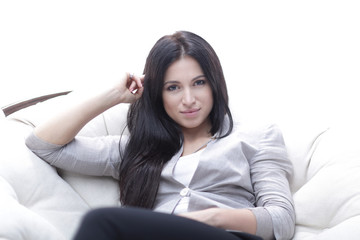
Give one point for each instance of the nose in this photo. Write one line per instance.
(188, 97)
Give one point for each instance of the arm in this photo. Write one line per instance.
(63, 128)
(234, 219)
(273, 214)
(54, 140)
(270, 173)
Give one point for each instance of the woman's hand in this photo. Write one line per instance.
(130, 87)
(231, 219)
(207, 216)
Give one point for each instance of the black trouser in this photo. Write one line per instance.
(140, 224)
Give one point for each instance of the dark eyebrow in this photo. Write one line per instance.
(174, 81)
(200, 76)
(170, 82)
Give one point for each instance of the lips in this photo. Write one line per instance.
(190, 112)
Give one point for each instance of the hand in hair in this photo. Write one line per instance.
(130, 87)
(63, 127)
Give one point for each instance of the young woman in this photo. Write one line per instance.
(184, 158)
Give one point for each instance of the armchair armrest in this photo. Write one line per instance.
(12, 108)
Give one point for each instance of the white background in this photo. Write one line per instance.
(280, 58)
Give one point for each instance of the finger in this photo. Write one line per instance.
(136, 83)
(139, 91)
(138, 80)
(130, 76)
(133, 86)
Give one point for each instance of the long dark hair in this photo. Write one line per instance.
(154, 137)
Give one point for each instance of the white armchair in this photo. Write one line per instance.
(39, 202)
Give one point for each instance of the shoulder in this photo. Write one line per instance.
(249, 138)
(258, 132)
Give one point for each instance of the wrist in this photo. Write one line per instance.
(215, 217)
(237, 219)
(112, 97)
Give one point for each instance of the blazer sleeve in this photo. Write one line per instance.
(270, 173)
(99, 156)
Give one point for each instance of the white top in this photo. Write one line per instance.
(183, 172)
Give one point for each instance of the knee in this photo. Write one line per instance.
(97, 216)
(96, 224)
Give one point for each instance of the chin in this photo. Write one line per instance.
(192, 125)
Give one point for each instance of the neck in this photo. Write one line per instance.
(201, 132)
(195, 138)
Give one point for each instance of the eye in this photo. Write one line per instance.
(199, 82)
(172, 88)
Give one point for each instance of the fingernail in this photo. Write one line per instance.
(134, 91)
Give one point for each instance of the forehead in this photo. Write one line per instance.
(185, 68)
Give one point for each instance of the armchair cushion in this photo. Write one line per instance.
(328, 204)
(35, 202)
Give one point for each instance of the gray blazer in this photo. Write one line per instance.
(247, 169)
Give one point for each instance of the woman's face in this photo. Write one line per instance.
(187, 94)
